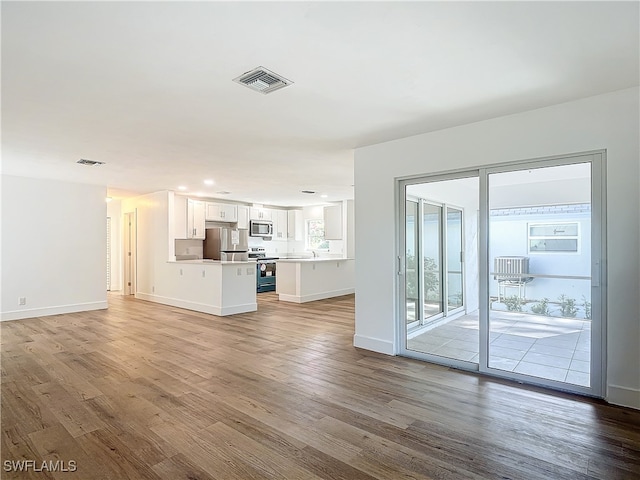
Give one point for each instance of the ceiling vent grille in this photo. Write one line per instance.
(262, 80)
(84, 161)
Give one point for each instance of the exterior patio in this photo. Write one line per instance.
(544, 347)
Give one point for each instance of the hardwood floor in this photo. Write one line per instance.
(145, 391)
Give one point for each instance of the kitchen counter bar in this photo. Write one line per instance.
(308, 279)
(207, 261)
(312, 259)
(209, 286)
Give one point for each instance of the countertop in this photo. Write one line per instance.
(311, 259)
(206, 261)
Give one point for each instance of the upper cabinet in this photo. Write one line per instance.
(221, 212)
(189, 219)
(295, 225)
(280, 224)
(243, 216)
(333, 222)
(195, 219)
(256, 213)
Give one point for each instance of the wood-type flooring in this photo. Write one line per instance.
(146, 391)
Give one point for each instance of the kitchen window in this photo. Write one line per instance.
(314, 235)
(554, 237)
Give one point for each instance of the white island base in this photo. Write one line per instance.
(309, 279)
(208, 286)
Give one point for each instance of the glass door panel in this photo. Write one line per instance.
(454, 259)
(540, 272)
(443, 332)
(432, 261)
(412, 275)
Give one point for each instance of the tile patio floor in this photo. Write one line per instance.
(544, 347)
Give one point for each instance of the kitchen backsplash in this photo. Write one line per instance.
(189, 247)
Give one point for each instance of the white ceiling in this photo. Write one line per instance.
(147, 87)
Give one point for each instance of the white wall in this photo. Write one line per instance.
(53, 247)
(602, 122)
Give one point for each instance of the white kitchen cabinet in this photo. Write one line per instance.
(243, 216)
(295, 225)
(256, 213)
(280, 224)
(333, 222)
(221, 212)
(195, 219)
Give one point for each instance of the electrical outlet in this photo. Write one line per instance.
(22, 301)
(239, 271)
(153, 289)
(203, 273)
(250, 270)
(180, 271)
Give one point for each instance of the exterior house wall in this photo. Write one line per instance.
(509, 237)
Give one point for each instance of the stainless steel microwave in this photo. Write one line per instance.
(261, 228)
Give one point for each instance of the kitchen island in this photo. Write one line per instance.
(307, 279)
(209, 286)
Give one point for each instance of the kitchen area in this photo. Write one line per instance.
(219, 256)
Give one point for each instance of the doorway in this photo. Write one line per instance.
(509, 279)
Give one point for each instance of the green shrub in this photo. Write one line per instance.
(541, 307)
(567, 306)
(514, 303)
(587, 307)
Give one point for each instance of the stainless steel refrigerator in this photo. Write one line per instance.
(224, 243)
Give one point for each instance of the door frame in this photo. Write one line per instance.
(129, 243)
(597, 159)
(401, 197)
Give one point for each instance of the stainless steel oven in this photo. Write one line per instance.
(265, 270)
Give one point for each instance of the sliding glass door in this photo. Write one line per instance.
(501, 271)
(434, 274)
(540, 289)
(455, 258)
(431, 259)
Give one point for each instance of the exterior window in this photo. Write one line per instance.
(315, 235)
(554, 237)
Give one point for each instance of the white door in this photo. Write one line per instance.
(129, 253)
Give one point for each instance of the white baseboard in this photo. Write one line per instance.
(199, 307)
(374, 344)
(623, 396)
(57, 310)
(315, 296)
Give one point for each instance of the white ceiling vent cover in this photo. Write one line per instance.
(262, 80)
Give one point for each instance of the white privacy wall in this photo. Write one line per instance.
(53, 247)
(602, 122)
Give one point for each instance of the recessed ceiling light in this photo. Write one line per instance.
(182, 187)
(324, 196)
(223, 192)
(208, 182)
(310, 192)
(108, 199)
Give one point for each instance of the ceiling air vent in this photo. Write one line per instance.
(84, 161)
(262, 80)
